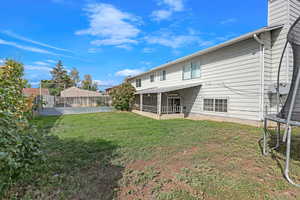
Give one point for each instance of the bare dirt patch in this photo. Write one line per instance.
(163, 180)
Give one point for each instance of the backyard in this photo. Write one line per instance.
(121, 155)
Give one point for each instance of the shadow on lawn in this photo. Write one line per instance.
(76, 168)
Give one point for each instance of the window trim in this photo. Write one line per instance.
(163, 75)
(190, 66)
(152, 80)
(214, 104)
(184, 71)
(138, 82)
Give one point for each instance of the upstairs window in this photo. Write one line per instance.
(163, 75)
(195, 68)
(191, 70)
(186, 72)
(152, 78)
(138, 83)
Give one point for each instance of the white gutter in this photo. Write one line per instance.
(262, 76)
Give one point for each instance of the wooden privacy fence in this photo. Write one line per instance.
(57, 101)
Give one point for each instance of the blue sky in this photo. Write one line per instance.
(111, 39)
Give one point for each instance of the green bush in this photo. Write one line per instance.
(20, 144)
(123, 96)
(20, 149)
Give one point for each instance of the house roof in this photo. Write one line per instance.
(77, 92)
(167, 89)
(214, 48)
(35, 91)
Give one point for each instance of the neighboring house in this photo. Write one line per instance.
(76, 97)
(77, 92)
(233, 80)
(35, 92)
(108, 90)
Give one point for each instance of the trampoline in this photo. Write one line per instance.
(288, 110)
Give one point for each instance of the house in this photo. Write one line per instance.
(35, 92)
(77, 92)
(76, 97)
(233, 81)
(108, 90)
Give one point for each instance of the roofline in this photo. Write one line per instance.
(213, 48)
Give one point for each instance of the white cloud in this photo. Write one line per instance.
(41, 63)
(38, 68)
(161, 14)
(228, 21)
(147, 63)
(2, 61)
(35, 83)
(51, 61)
(105, 83)
(148, 50)
(175, 41)
(27, 48)
(129, 72)
(25, 39)
(111, 25)
(172, 6)
(176, 5)
(124, 46)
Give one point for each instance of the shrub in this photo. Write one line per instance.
(123, 96)
(19, 141)
(20, 146)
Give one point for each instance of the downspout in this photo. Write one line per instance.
(262, 78)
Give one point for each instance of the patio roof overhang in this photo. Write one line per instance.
(167, 89)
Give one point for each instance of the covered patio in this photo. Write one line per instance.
(165, 102)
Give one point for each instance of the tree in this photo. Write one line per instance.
(20, 142)
(87, 83)
(94, 87)
(123, 96)
(27, 84)
(11, 85)
(60, 79)
(75, 77)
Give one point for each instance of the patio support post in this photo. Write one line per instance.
(141, 102)
(159, 104)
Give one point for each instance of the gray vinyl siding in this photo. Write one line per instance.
(232, 72)
(277, 12)
(281, 12)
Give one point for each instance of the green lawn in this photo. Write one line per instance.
(126, 156)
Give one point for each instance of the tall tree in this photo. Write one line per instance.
(60, 79)
(87, 83)
(123, 96)
(94, 86)
(75, 76)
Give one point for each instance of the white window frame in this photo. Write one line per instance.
(152, 75)
(163, 75)
(212, 107)
(222, 108)
(214, 104)
(138, 83)
(188, 68)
